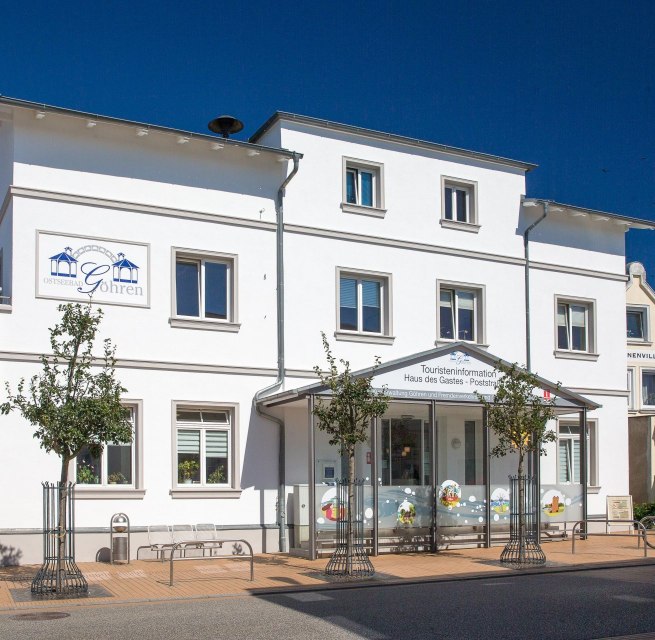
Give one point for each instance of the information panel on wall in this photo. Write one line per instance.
(82, 268)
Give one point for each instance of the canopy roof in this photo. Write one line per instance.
(452, 373)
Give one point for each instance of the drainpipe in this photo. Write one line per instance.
(526, 250)
(279, 234)
(534, 468)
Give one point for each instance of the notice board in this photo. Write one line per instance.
(619, 508)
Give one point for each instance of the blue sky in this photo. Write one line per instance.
(567, 85)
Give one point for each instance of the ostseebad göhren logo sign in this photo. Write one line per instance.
(77, 268)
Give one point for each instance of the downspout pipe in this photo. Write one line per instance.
(533, 460)
(526, 252)
(279, 235)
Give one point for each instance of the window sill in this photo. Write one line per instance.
(206, 325)
(204, 492)
(5, 308)
(363, 337)
(346, 207)
(108, 493)
(635, 342)
(460, 226)
(593, 490)
(575, 355)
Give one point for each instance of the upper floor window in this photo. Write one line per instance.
(648, 389)
(460, 313)
(575, 327)
(363, 187)
(364, 306)
(637, 323)
(204, 290)
(459, 204)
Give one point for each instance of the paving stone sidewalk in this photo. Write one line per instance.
(148, 580)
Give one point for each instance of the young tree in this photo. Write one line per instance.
(519, 417)
(346, 417)
(70, 405)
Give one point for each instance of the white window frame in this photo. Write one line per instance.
(644, 404)
(479, 291)
(385, 336)
(630, 384)
(589, 304)
(104, 489)
(376, 169)
(591, 450)
(232, 487)
(470, 189)
(644, 312)
(201, 322)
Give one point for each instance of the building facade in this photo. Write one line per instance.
(640, 304)
(218, 263)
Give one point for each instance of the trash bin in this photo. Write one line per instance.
(119, 538)
(119, 549)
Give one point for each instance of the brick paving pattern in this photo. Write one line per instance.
(148, 580)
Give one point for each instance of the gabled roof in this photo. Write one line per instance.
(63, 257)
(388, 137)
(124, 262)
(318, 388)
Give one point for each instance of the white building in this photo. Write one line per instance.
(408, 250)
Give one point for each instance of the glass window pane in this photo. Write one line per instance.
(564, 461)
(446, 317)
(119, 464)
(465, 315)
(188, 456)
(371, 308)
(351, 186)
(348, 304)
(367, 188)
(216, 456)
(461, 199)
(562, 327)
(186, 289)
(635, 325)
(648, 388)
(216, 290)
(185, 415)
(448, 203)
(215, 416)
(89, 469)
(578, 328)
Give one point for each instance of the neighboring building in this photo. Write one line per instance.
(640, 316)
(404, 249)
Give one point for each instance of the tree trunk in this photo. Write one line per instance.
(61, 525)
(350, 513)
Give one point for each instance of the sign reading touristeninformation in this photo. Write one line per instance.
(82, 268)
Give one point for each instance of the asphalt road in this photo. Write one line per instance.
(572, 605)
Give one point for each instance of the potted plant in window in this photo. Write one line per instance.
(186, 470)
(116, 478)
(217, 476)
(86, 475)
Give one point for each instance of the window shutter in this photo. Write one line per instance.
(348, 293)
(371, 294)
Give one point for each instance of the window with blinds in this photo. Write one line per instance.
(569, 468)
(203, 440)
(574, 326)
(361, 304)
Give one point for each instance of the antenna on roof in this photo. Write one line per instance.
(225, 125)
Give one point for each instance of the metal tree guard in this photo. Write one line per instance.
(523, 549)
(351, 561)
(59, 575)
